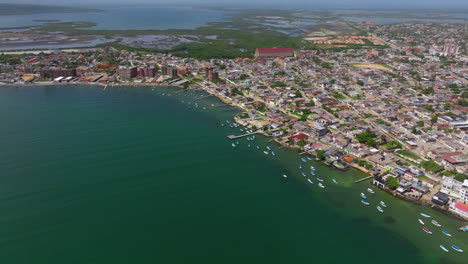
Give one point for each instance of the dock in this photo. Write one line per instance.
(203, 97)
(363, 179)
(241, 136)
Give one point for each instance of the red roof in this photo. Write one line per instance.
(275, 49)
(462, 206)
(299, 136)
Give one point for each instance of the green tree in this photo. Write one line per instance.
(298, 93)
(320, 153)
(360, 82)
(392, 182)
(434, 119)
(311, 103)
(301, 143)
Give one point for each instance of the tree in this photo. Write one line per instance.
(311, 103)
(298, 93)
(320, 153)
(383, 138)
(434, 119)
(301, 143)
(392, 182)
(360, 82)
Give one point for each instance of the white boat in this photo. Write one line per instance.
(303, 174)
(335, 181)
(425, 215)
(319, 179)
(233, 145)
(434, 222)
(258, 147)
(363, 196)
(383, 204)
(421, 221)
(443, 248)
(370, 190)
(446, 233)
(321, 185)
(285, 176)
(309, 158)
(273, 153)
(266, 152)
(248, 145)
(300, 166)
(312, 173)
(365, 202)
(268, 147)
(310, 181)
(379, 209)
(312, 167)
(457, 248)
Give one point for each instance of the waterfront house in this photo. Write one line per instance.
(459, 208)
(440, 198)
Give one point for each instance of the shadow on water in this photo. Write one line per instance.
(389, 220)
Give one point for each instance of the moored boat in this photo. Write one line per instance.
(446, 233)
(425, 215)
(321, 185)
(312, 173)
(383, 204)
(335, 181)
(363, 195)
(379, 209)
(365, 202)
(309, 158)
(319, 179)
(427, 230)
(300, 166)
(285, 176)
(443, 248)
(310, 181)
(273, 153)
(303, 174)
(268, 147)
(304, 160)
(434, 222)
(258, 147)
(233, 145)
(370, 190)
(265, 152)
(457, 248)
(421, 221)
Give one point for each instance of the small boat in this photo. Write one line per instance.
(273, 153)
(237, 142)
(425, 215)
(363, 195)
(319, 179)
(258, 147)
(312, 167)
(443, 248)
(321, 185)
(248, 145)
(446, 233)
(285, 176)
(365, 202)
(304, 160)
(457, 248)
(383, 204)
(335, 181)
(233, 145)
(309, 158)
(268, 147)
(265, 152)
(379, 209)
(311, 181)
(434, 222)
(370, 190)
(421, 221)
(303, 174)
(300, 166)
(312, 173)
(222, 125)
(427, 230)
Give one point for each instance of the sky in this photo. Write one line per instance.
(393, 4)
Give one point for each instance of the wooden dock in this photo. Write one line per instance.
(363, 179)
(241, 136)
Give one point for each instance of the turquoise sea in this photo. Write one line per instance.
(142, 175)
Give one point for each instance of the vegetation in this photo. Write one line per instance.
(408, 154)
(431, 165)
(392, 183)
(338, 95)
(360, 82)
(301, 143)
(368, 138)
(462, 102)
(320, 153)
(364, 164)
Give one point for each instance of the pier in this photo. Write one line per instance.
(203, 97)
(363, 179)
(241, 136)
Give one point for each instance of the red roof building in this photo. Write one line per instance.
(299, 136)
(274, 52)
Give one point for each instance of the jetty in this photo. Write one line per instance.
(363, 179)
(203, 97)
(241, 136)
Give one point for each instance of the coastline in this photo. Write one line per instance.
(230, 102)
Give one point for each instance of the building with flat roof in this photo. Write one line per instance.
(274, 52)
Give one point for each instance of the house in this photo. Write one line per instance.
(440, 198)
(460, 209)
(455, 188)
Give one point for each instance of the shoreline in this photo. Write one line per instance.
(228, 101)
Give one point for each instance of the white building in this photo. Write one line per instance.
(455, 188)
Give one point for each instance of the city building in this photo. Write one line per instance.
(451, 50)
(455, 188)
(56, 72)
(318, 130)
(274, 52)
(127, 72)
(440, 198)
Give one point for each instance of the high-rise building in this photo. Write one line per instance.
(213, 75)
(127, 72)
(173, 72)
(451, 50)
(165, 69)
(56, 72)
